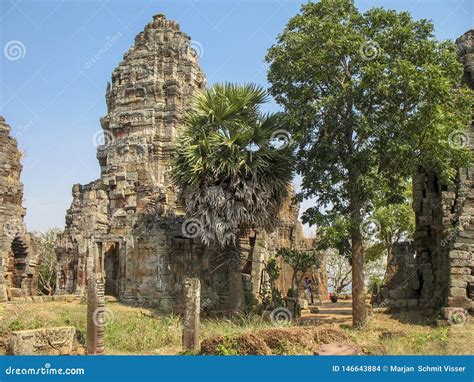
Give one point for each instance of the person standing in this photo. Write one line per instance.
(308, 287)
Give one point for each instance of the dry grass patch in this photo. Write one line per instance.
(278, 341)
(412, 334)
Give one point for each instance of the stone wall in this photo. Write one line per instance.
(18, 263)
(128, 224)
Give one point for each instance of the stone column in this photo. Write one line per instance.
(95, 315)
(192, 290)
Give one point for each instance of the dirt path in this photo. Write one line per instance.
(337, 313)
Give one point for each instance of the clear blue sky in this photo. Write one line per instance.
(53, 100)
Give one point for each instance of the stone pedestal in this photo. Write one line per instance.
(192, 290)
(95, 315)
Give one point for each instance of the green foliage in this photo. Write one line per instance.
(228, 347)
(397, 220)
(375, 282)
(227, 168)
(299, 261)
(46, 244)
(374, 252)
(272, 299)
(332, 236)
(273, 270)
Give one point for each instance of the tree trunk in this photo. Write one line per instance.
(236, 286)
(358, 259)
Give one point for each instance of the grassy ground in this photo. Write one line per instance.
(129, 330)
(132, 330)
(412, 334)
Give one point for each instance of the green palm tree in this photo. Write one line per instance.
(232, 166)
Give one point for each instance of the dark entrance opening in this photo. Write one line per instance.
(20, 253)
(111, 268)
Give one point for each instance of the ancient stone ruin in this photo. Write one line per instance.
(128, 224)
(442, 272)
(18, 263)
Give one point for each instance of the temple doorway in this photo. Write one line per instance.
(111, 268)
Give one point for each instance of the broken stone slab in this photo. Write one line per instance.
(42, 341)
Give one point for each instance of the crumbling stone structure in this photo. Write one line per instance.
(129, 221)
(400, 285)
(442, 273)
(18, 262)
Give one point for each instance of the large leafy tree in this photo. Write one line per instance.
(232, 170)
(370, 98)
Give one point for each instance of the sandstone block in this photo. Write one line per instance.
(456, 254)
(460, 271)
(457, 292)
(57, 340)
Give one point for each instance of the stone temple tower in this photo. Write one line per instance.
(151, 89)
(118, 224)
(127, 224)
